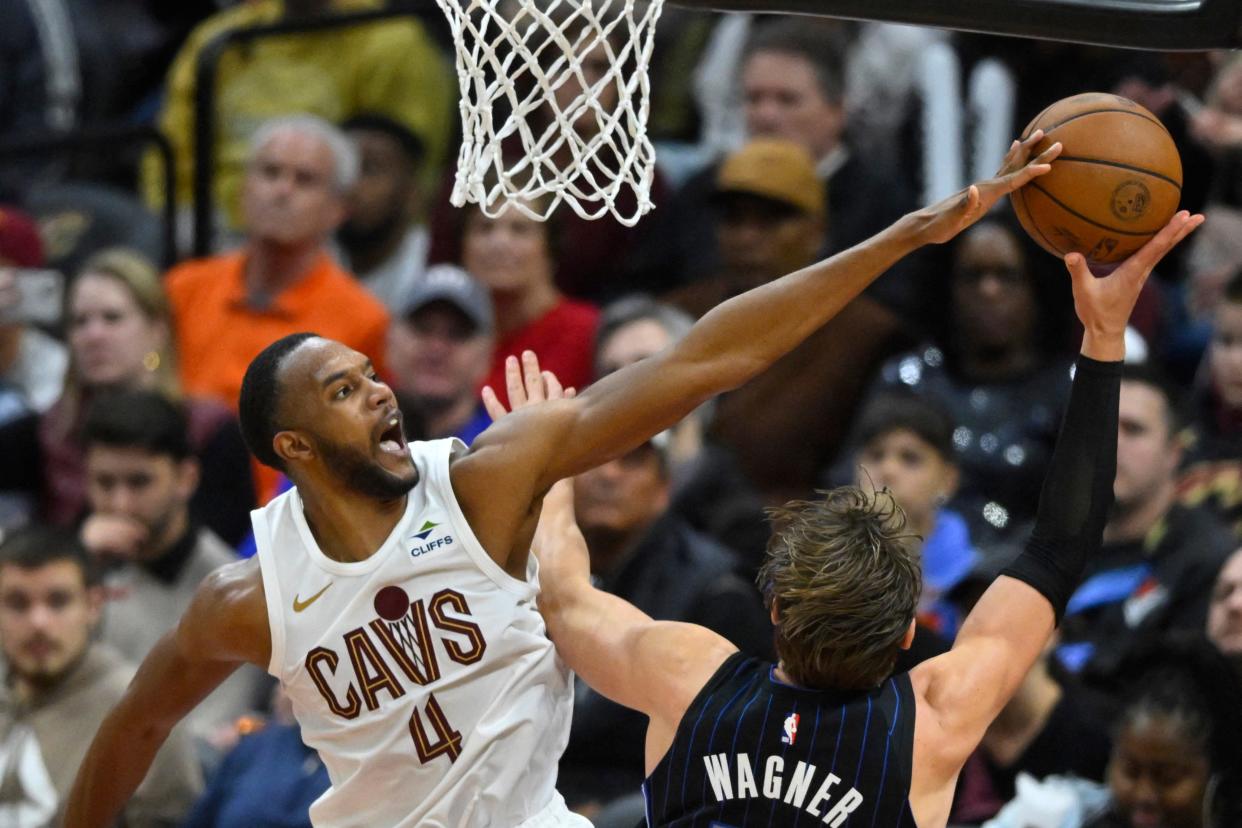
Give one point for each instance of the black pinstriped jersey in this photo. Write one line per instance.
(752, 750)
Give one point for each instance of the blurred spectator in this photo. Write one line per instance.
(708, 490)
(514, 256)
(270, 778)
(440, 349)
(793, 88)
(1214, 255)
(1212, 463)
(657, 562)
(60, 685)
(1049, 712)
(383, 240)
(32, 363)
(1001, 391)
(1224, 625)
(1175, 758)
(785, 424)
(141, 476)
(119, 338)
(595, 258)
(770, 221)
(229, 307)
(1155, 569)
(390, 67)
(906, 446)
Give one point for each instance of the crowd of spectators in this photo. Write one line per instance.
(124, 478)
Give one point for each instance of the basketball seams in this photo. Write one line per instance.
(1048, 129)
(1121, 166)
(1026, 208)
(1081, 217)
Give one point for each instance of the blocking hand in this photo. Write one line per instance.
(944, 220)
(1104, 303)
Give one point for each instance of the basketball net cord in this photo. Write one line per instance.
(513, 56)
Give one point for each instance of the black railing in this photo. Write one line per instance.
(205, 95)
(93, 140)
(1165, 25)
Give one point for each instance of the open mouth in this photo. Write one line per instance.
(392, 438)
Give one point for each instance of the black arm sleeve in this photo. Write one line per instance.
(1078, 488)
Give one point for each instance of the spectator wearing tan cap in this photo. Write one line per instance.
(769, 220)
(770, 215)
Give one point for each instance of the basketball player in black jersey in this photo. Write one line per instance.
(826, 735)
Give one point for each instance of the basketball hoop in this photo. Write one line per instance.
(539, 121)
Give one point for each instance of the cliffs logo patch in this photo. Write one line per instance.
(790, 728)
(428, 543)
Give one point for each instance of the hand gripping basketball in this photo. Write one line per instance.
(944, 220)
(1104, 303)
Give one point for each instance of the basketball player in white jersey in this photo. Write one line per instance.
(392, 593)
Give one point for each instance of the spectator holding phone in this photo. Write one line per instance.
(32, 363)
(118, 328)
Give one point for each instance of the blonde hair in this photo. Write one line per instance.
(142, 281)
(844, 575)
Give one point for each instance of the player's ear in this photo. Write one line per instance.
(292, 446)
(908, 639)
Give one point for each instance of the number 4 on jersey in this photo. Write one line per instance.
(447, 740)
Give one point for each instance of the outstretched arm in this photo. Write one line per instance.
(965, 689)
(654, 667)
(225, 625)
(731, 344)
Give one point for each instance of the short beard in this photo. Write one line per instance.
(363, 475)
(355, 238)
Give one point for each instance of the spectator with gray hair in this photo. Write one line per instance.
(283, 279)
(390, 66)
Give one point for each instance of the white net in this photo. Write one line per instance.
(554, 104)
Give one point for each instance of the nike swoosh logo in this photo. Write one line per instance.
(298, 606)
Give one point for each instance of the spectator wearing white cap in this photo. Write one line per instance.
(440, 349)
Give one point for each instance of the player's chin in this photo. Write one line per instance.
(398, 464)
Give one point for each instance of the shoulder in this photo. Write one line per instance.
(337, 284)
(227, 618)
(1198, 536)
(240, 16)
(212, 551)
(195, 273)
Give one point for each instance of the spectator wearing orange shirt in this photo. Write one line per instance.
(227, 308)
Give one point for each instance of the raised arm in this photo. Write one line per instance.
(654, 667)
(965, 689)
(728, 346)
(225, 625)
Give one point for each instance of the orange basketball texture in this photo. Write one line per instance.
(1117, 181)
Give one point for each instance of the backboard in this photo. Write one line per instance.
(1165, 25)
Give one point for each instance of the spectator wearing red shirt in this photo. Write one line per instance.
(514, 256)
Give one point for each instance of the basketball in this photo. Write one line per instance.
(1117, 181)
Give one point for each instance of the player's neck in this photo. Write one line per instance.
(517, 309)
(445, 417)
(1132, 521)
(271, 268)
(349, 527)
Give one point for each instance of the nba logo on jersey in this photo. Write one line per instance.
(791, 729)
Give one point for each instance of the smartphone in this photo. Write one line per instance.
(40, 297)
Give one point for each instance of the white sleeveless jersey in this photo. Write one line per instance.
(422, 675)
